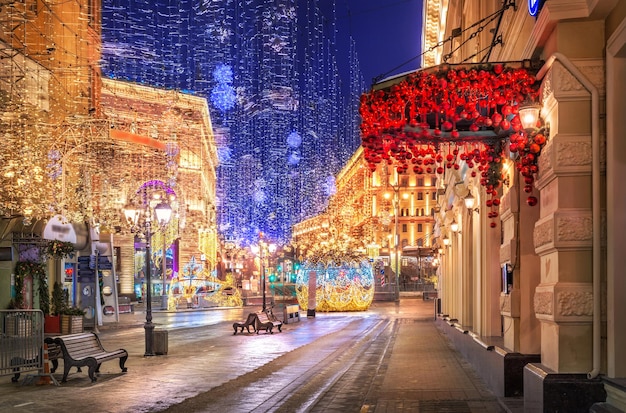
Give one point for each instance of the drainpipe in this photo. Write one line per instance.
(595, 194)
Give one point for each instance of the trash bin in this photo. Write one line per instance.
(291, 313)
(160, 341)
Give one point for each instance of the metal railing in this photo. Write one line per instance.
(416, 286)
(21, 341)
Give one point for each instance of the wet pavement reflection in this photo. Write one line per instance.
(310, 366)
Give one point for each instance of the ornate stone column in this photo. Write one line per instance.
(521, 328)
(563, 235)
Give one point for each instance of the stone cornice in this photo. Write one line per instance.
(566, 229)
(565, 155)
(564, 86)
(564, 302)
(552, 12)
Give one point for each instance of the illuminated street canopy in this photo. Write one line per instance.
(433, 120)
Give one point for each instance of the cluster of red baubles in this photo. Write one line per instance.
(529, 147)
(434, 121)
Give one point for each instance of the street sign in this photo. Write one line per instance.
(104, 263)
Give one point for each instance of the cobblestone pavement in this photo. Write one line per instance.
(391, 358)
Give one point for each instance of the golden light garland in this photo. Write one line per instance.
(24, 168)
(344, 282)
(197, 281)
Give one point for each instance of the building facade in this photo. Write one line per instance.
(373, 210)
(544, 286)
(173, 134)
(39, 42)
(80, 147)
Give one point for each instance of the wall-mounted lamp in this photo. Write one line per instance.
(454, 226)
(529, 114)
(446, 240)
(469, 203)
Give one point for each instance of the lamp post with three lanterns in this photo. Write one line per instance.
(139, 218)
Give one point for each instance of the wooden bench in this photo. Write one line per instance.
(85, 349)
(54, 353)
(265, 320)
(250, 321)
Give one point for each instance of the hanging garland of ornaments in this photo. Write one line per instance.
(434, 120)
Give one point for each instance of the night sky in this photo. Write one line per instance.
(387, 34)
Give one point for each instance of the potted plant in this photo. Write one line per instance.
(57, 306)
(72, 320)
(43, 293)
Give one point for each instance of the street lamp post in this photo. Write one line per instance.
(262, 250)
(164, 274)
(396, 201)
(396, 235)
(163, 213)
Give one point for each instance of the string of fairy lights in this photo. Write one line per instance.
(274, 96)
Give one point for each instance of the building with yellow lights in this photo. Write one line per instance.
(372, 210)
(178, 128)
(77, 148)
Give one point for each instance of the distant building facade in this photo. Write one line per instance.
(365, 208)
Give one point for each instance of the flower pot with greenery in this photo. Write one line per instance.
(51, 322)
(57, 306)
(72, 320)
